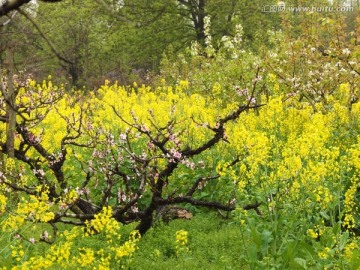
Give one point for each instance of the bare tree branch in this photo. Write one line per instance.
(52, 47)
(10, 5)
(211, 204)
(10, 17)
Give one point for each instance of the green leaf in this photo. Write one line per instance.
(343, 240)
(204, 194)
(300, 262)
(324, 215)
(266, 237)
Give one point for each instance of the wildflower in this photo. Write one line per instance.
(181, 241)
(312, 233)
(324, 254)
(3, 201)
(346, 51)
(184, 84)
(349, 249)
(182, 237)
(86, 258)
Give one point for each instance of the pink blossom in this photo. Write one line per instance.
(45, 235)
(243, 92)
(175, 153)
(123, 137)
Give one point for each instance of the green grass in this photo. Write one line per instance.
(214, 243)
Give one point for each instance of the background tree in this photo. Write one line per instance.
(14, 57)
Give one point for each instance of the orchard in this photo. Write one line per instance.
(227, 148)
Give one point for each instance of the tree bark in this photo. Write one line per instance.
(2, 88)
(10, 104)
(196, 9)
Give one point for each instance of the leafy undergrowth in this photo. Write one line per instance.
(213, 243)
(245, 240)
(241, 242)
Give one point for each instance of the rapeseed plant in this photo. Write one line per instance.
(290, 157)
